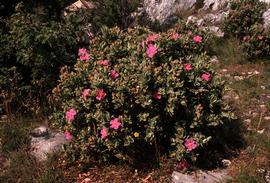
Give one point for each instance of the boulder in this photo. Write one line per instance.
(162, 9)
(44, 145)
(267, 2)
(201, 177)
(216, 31)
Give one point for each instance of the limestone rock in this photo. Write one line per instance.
(162, 9)
(201, 177)
(168, 21)
(42, 146)
(216, 31)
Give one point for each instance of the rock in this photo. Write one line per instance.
(267, 117)
(40, 131)
(215, 4)
(191, 19)
(214, 59)
(42, 146)
(216, 31)
(236, 97)
(247, 120)
(168, 21)
(210, 18)
(238, 78)
(256, 72)
(201, 177)
(224, 70)
(221, 16)
(201, 22)
(162, 9)
(78, 5)
(266, 18)
(226, 97)
(226, 163)
(227, 75)
(262, 87)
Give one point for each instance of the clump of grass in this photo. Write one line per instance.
(228, 50)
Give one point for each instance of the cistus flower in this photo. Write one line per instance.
(156, 95)
(197, 39)
(114, 74)
(244, 38)
(68, 135)
(104, 62)
(152, 37)
(82, 51)
(175, 36)
(115, 124)
(248, 5)
(70, 114)
(260, 37)
(151, 50)
(85, 93)
(100, 94)
(206, 77)
(190, 144)
(103, 133)
(84, 57)
(187, 66)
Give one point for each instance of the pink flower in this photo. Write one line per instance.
(197, 39)
(232, 17)
(82, 51)
(188, 66)
(206, 77)
(70, 114)
(156, 95)
(68, 135)
(100, 94)
(114, 74)
(103, 133)
(104, 62)
(190, 144)
(151, 50)
(85, 93)
(84, 57)
(115, 124)
(260, 37)
(244, 38)
(183, 165)
(175, 36)
(153, 37)
(248, 5)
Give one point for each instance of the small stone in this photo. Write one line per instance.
(236, 98)
(263, 106)
(247, 120)
(226, 163)
(263, 87)
(237, 78)
(243, 73)
(267, 117)
(214, 59)
(256, 72)
(254, 114)
(40, 131)
(227, 75)
(224, 70)
(226, 97)
(249, 73)
(268, 96)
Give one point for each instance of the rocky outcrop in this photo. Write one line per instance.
(215, 5)
(162, 9)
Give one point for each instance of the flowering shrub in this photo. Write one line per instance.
(243, 14)
(256, 44)
(165, 98)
